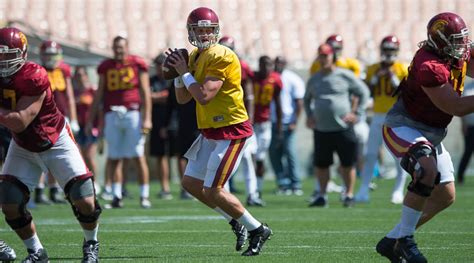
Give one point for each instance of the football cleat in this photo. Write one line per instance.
(319, 201)
(348, 201)
(406, 248)
(145, 203)
(116, 203)
(255, 201)
(39, 256)
(6, 252)
(385, 247)
(40, 197)
(257, 240)
(240, 232)
(55, 196)
(90, 250)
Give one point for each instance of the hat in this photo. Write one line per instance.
(325, 49)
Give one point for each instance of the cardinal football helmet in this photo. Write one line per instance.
(448, 35)
(13, 51)
(227, 41)
(336, 43)
(50, 53)
(389, 48)
(203, 27)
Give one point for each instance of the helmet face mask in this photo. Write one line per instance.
(389, 48)
(448, 35)
(50, 53)
(203, 28)
(13, 51)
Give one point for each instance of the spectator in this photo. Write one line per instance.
(282, 149)
(328, 108)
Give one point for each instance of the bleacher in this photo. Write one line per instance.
(293, 28)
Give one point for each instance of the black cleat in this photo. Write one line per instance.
(348, 201)
(90, 250)
(255, 201)
(406, 248)
(55, 196)
(240, 232)
(6, 253)
(40, 197)
(39, 256)
(385, 247)
(257, 240)
(319, 201)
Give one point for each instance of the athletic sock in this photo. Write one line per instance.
(395, 232)
(145, 190)
(409, 220)
(249, 221)
(117, 190)
(91, 234)
(33, 243)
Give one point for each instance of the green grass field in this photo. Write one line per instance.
(186, 231)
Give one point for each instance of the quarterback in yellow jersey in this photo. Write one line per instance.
(348, 63)
(212, 78)
(383, 79)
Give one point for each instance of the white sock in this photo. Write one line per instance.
(409, 220)
(145, 190)
(91, 234)
(259, 184)
(33, 243)
(317, 188)
(108, 188)
(249, 221)
(395, 232)
(224, 214)
(117, 190)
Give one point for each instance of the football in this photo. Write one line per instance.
(168, 71)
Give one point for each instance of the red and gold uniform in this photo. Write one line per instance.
(44, 130)
(428, 70)
(58, 79)
(122, 82)
(264, 91)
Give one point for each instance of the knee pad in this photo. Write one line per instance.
(410, 164)
(79, 188)
(13, 191)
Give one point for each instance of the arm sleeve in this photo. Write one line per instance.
(432, 74)
(219, 66)
(37, 83)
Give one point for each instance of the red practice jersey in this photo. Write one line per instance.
(57, 78)
(83, 105)
(428, 70)
(44, 130)
(122, 82)
(264, 91)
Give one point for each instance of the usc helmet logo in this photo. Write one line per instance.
(438, 25)
(23, 38)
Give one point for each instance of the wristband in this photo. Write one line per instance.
(178, 83)
(188, 79)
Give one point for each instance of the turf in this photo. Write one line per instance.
(186, 231)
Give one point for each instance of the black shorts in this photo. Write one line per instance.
(344, 143)
(5, 138)
(163, 147)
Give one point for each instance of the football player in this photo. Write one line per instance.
(42, 141)
(124, 92)
(213, 81)
(382, 78)
(59, 74)
(253, 198)
(417, 123)
(267, 86)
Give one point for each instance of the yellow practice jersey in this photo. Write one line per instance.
(347, 63)
(383, 89)
(227, 107)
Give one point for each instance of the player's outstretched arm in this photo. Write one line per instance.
(447, 100)
(26, 110)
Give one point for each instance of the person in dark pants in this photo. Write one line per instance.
(327, 103)
(468, 133)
